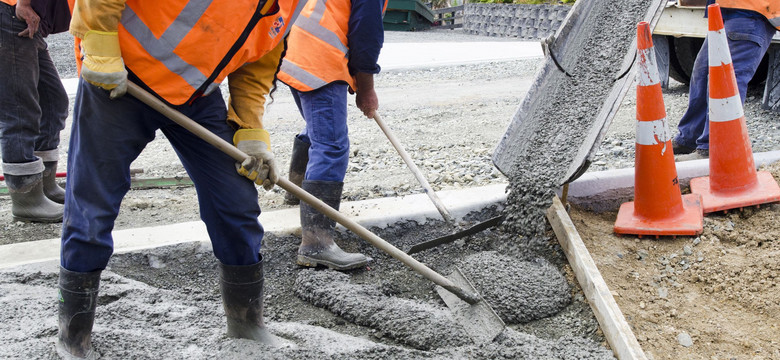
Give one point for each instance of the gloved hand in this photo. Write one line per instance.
(260, 167)
(103, 65)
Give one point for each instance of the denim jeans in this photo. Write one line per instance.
(33, 104)
(325, 112)
(748, 40)
(106, 137)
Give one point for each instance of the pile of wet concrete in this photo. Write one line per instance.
(165, 303)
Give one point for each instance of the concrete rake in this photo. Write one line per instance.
(469, 308)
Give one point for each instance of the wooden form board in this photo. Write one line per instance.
(613, 324)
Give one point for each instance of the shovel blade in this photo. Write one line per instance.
(479, 320)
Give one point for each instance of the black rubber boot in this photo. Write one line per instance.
(298, 162)
(77, 301)
(242, 298)
(28, 202)
(317, 241)
(51, 189)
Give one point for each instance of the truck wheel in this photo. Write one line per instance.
(682, 55)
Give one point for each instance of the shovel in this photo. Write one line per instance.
(472, 311)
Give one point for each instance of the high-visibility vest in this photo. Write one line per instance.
(9, 2)
(184, 49)
(769, 8)
(317, 52)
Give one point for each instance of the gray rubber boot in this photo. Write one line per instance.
(242, 299)
(28, 203)
(298, 162)
(77, 301)
(317, 241)
(51, 189)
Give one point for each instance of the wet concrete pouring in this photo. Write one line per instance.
(164, 302)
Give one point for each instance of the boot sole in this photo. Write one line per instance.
(38, 220)
(304, 260)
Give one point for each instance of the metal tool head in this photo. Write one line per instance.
(479, 320)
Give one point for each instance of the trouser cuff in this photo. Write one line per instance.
(22, 169)
(49, 155)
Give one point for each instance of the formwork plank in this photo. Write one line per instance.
(616, 330)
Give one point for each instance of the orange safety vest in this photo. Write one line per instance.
(769, 8)
(10, 2)
(317, 52)
(183, 50)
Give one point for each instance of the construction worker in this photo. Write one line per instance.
(333, 48)
(180, 52)
(750, 26)
(33, 107)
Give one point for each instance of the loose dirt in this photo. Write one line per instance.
(715, 296)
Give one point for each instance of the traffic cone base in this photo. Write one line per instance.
(765, 190)
(689, 222)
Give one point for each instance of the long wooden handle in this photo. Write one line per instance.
(415, 170)
(310, 199)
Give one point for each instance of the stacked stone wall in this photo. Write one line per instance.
(530, 22)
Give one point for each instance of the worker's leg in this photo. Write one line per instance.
(749, 40)
(107, 135)
(325, 112)
(54, 111)
(692, 123)
(228, 201)
(20, 120)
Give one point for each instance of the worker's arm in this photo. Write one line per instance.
(25, 12)
(249, 85)
(96, 23)
(365, 38)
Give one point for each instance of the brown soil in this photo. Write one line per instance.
(721, 288)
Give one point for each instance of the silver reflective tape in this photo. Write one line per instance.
(161, 50)
(302, 75)
(319, 31)
(775, 22)
(653, 132)
(648, 69)
(186, 20)
(722, 110)
(319, 10)
(718, 48)
(301, 5)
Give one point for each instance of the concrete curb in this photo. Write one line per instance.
(605, 190)
(368, 213)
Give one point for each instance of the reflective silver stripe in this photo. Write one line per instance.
(728, 109)
(648, 70)
(322, 33)
(186, 20)
(775, 22)
(718, 48)
(161, 49)
(319, 10)
(301, 5)
(652, 132)
(302, 75)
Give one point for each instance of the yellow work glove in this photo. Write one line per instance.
(260, 166)
(103, 65)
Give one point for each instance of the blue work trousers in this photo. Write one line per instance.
(748, 40)
(108, 135)
(325, 113)
(33, 102)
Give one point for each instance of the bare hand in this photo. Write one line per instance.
(367, 102)
(25, 12)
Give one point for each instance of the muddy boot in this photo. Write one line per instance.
(51, 189)
(78, 298)
(28, 203)
(317, 241)
(298, 161)
(242, 298)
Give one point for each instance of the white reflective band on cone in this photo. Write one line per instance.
(728, 109)
(648, 70)
(718, 50)
(652, 132)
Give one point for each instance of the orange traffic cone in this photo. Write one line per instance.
(733, 180)
(658, 207)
